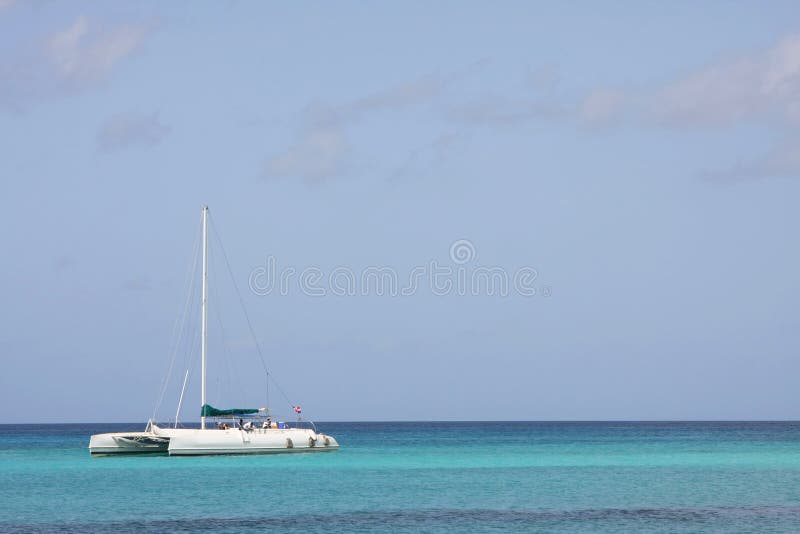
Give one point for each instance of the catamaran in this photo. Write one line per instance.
(230, 434)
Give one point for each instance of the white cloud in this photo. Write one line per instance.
(82, 54)
(72, 60)
(131, 130)
(601, 105)
(400, 96)
(544, 78)
(322, 149)
(417, 92)
(782, 161)
(428, 158)
(320, 153)
(755, 86)
(6, 4)
(498, 110)
(761, 86)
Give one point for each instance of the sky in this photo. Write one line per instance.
(516, 211)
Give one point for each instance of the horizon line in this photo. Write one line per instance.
(449, 421)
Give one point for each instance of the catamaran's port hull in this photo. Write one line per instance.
(128, 443)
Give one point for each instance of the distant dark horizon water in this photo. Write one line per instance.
(435, 421)
(519, 476)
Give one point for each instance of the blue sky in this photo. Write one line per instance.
(641, 158)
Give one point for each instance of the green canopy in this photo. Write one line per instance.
(209, 411)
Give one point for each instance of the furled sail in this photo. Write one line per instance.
(209, 411)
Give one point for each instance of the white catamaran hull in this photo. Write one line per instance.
(127, 443)
(153, 440)
(258, 441)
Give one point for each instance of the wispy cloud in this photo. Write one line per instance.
(83, 54)
(755, 86)
(131, 130)
(427, 158)
(601, 106)
(400, 96)
(6, 4)
(420, 91)
(544, 78)
(322, 147)
(760, 88)
(781, 161)
(539, 101)
(499, 110)
(318, 154)
(73, 59)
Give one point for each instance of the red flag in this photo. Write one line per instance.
(297, 409)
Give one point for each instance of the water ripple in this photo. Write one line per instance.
(735, 518)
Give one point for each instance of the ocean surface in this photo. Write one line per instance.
(419, 477)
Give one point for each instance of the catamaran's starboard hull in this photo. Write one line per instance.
(128, 443)
(259, 441)
(246, 450)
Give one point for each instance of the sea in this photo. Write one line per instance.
(418, 477)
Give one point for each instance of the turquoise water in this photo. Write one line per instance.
(431, 477)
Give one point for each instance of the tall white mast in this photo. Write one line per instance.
(204, 308)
